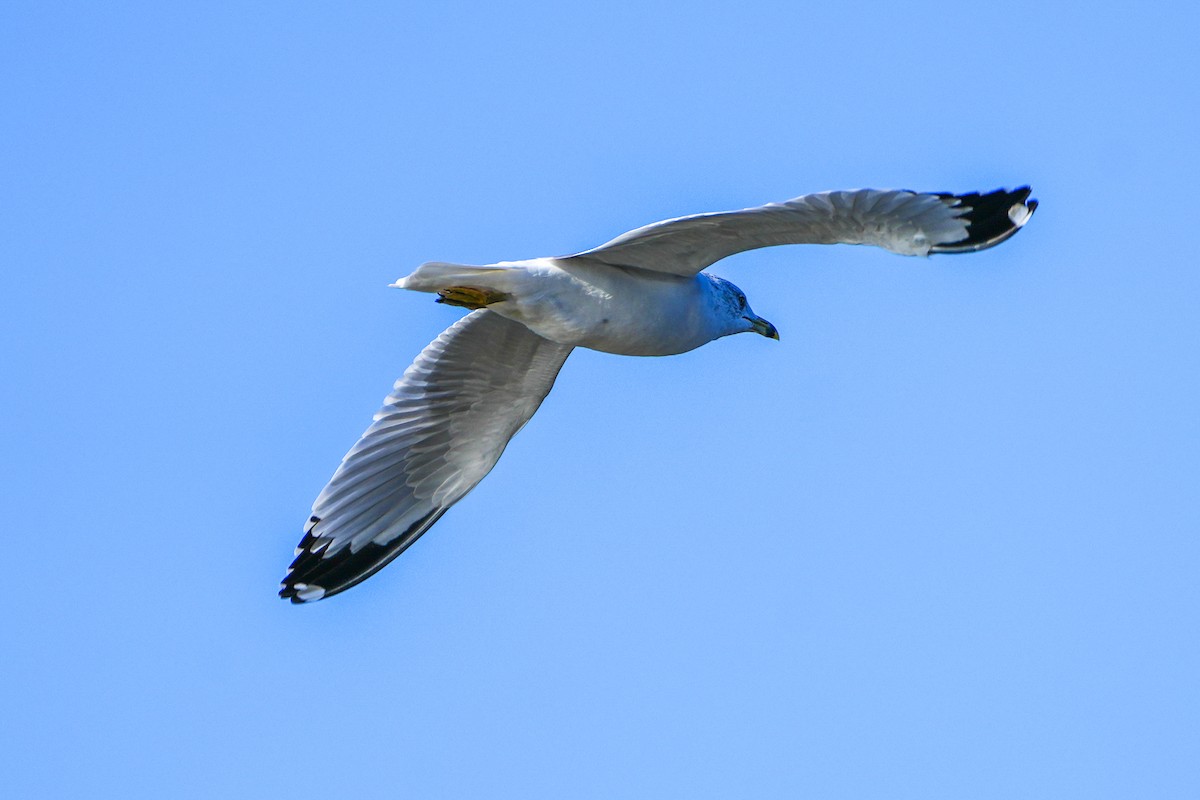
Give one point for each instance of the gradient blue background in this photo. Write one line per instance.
(939, 542)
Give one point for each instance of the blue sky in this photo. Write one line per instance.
(939, 541)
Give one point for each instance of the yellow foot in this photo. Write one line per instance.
(470, 297)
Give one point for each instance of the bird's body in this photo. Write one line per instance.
(644, 293)
(584, 303)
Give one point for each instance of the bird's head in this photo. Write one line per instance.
(735, 311)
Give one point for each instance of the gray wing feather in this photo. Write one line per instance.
(904, 222)
(442, 429)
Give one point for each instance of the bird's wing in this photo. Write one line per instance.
(439, 433)
(908, 223)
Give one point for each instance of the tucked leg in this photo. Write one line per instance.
(470, 297)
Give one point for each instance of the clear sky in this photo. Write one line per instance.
(941, 541)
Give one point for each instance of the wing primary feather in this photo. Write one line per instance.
(991, 218)
(335, 575)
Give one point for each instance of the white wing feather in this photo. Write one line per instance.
(438, 434)
(903, 222)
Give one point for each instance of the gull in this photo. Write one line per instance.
(451, 414)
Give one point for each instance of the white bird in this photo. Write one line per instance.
(450, 416)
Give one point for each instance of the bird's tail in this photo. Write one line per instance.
(437, 276)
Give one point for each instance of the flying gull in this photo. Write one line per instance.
(450, 416)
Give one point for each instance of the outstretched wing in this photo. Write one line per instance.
(908, 223)
(438, 434)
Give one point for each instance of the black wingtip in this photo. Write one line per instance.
(991, 218)
(314, 576)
